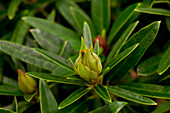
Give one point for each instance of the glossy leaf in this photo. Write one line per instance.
(63, 7)
(113, 107)
(13, 6)
(63, 72)
(100, 11)
(121, 20)
(48, 102)
(57, 79)
(56, 29)
(102, 92)
(116, 48)
(146, 69)
(2, 110)
(165, 62)
(26, 54)
(150, 90)
(163, 108)
(144, 37)
(157, 11)
(87, 35)
(130, 95)
(74, 97)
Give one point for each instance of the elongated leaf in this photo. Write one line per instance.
(2, 110)
(54, 58)
(164, 107)
(26, 54)
(63, 7)
(96, 47)
(9, 81)
(57, 79)
(56, 29)
(116, 48)
(100, 11)
(113, 62)
(113, 107)
(130, 95)
(150, 90)
(146, 69)
(157, 11)
(121, 20)
(102, 92)
(144, 37)
(74, 97)
(165, 62)
(13, 6)
(52, 15)
(168, 23)
(80, 17)
(87, 35)
(10, 90)
(48, 102)
(63, 72)
(148, 3)
(1, 66)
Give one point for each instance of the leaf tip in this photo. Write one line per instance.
(10, 17)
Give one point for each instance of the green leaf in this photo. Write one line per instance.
(54, 58)
(20, 32)
(121, 20)
(168, 23)
(163, 108)
(148, 3)
(48, 102)
(56, 29)
(13, 6)
(80, 17)
(150, 90)
(101, 14)
(87, 35)
(2, 110)
(165, 62)
(116, 48)
(26, 54)
(28, 98)
(144, 37)
(113, 107)
(63, 72)
(9, 81)
(10, 90)
(96, 47)
(102, 92)
(63, 7)
(157, 11)
(130, 95)
(57, 79)
(114, 61)
(74, 97)
(146, 69)
(52, 15)
(1, 66)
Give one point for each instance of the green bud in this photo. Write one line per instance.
(26, 83)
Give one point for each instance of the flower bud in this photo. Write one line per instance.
(26, 83)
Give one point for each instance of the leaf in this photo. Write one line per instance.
(168, 23)
(164, 107)
(80, 17)
(10, 90)
(96, 47)
(54, 58)
(150, 90)
(28, 98)
(63, 7)
(26, 54)
(57, 79)
(116, 48)
(1, 66)
(144, 37)
(120, 21)
(56, 29)
(9, 81)
(14, 4)
(165, 62)
(63, 72)
(148, 3)
(73, 97)
(52, 15)
(114, 61)
(113, 107)
(130, 95)
(87, 35)
(102, 92)
(101, 14)
(157, 11)
(2, 110)
(47, 100)
(146, 69)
